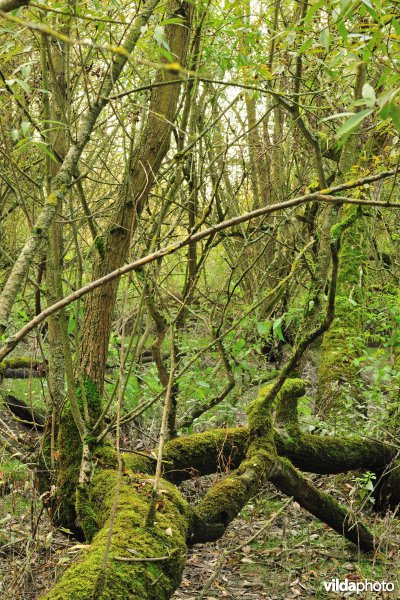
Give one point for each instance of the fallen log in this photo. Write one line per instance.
(146, 562)
(26, 415)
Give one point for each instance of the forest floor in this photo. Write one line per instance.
(293, 556)
(290, 558)
(280, 557)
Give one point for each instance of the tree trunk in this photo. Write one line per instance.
(145, 162)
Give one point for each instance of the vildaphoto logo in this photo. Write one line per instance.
(346, 585)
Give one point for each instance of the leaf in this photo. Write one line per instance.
(25, 86)
(173, 21)
(341, 27)
(305, 46)
(337, 116)
(71, 324)
(203, 384)
(368, 93)
(25, 127)
(313, 10)
(325, 38)
(277, 329)
(43, 147)
(159, 37)
(263, 327)
(353, 122)
(395, 114)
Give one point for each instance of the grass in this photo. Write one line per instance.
(32, 391)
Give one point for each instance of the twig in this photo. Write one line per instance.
(225, 553)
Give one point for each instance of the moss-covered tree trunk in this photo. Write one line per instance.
(145, 561)
(112, 250)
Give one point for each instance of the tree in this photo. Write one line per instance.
(128, 140)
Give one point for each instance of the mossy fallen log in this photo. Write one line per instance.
(224, 501)
(147, 562)
(26, 415)
(143, 563)
(22, 362)
(290, 481)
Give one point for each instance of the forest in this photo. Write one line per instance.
(199, 299)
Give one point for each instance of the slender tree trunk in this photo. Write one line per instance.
(145, 162)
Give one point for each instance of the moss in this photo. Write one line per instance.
(204, 452)
(125, 580)
(105, 456)
(287, 401)
(20, 362)
(138, 464)
(259, 413)
(225, 500)
(342, 343)
(70, 455)
(86, 515)
(52, 199)
(351, 217)
(99, 243)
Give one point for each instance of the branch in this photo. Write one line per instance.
(9, 5)
(324, 196)
(62, 179)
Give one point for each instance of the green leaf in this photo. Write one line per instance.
(159, 37)
(395, 114)
(25, 127)
(173, 21)
(43, 147)
(368, 93)
(71, 324)
(25, 86)
(325, 38)
(203, 384)
(277, 329)
(313, 10)
(305, 46)
(341, 27)
(264, 327)
(353, 122)
(337, 116)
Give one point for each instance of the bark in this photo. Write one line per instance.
(139, 178)
(9, 5)
(62, 180)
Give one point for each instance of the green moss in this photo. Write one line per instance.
(105, 456)
(138, 464)
(99, 243)
(17, 363)
(286, 411)
(342, 343)
(204, 452)
(125, 580)
(259, 413)
(52, 199)
(70, 455)
(350, 218)
(87, 517)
